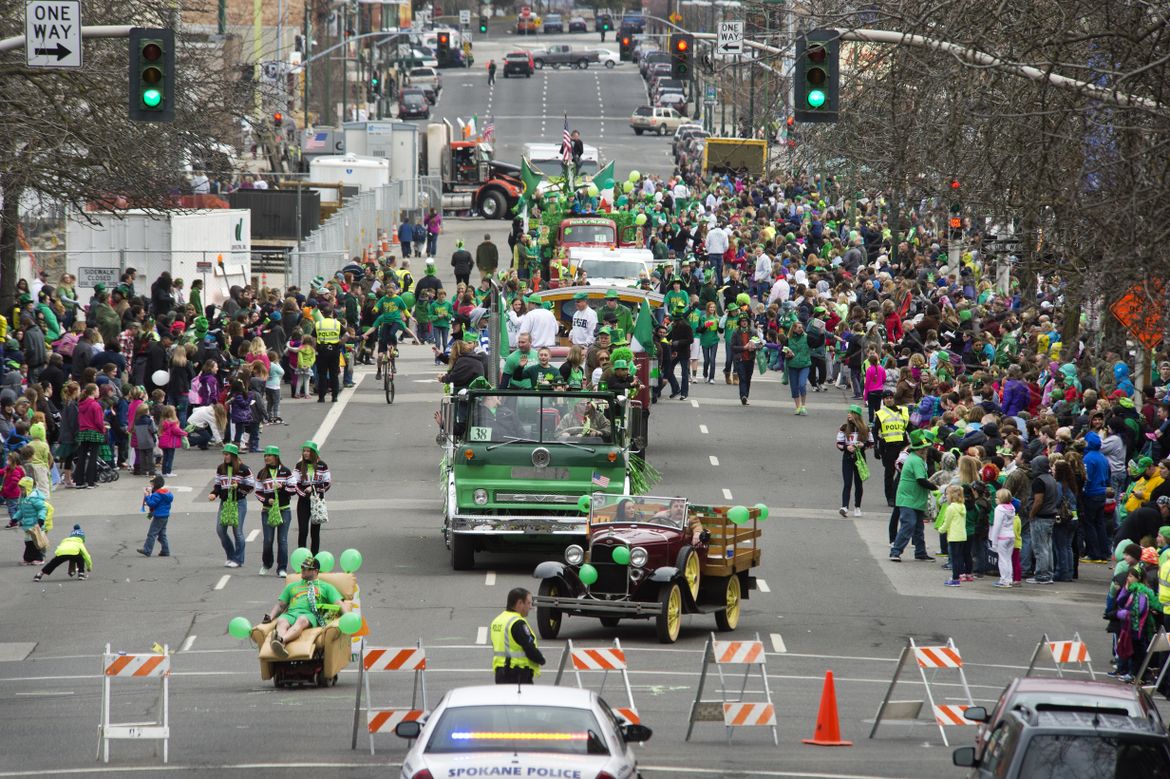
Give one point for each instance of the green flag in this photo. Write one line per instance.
(604, 181)
(531, 177)
(644, 330)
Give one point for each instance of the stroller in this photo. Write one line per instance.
(107, 465)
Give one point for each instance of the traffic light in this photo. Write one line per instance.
(682, 46)
(955, 221)
(626, 48)
(278, 119)
(817, 76)
(152, 74)
(375, 84)
(442, 47)
(790, 132)
(483, 24)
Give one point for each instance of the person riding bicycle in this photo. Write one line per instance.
(389, 323)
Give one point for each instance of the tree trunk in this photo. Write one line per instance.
(9, 222)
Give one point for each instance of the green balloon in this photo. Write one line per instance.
(583, 504)
(593, 190)
(628, 187)
(299, 555)
(240, 627)
(640, 219)
(350, 623)
(407, 299)
(621, 555)
(763, 511)
(326, 560)
(738, 514)
(635, 175)
(588, 574)
(351, 560)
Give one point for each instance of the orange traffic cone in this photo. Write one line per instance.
(828, 731)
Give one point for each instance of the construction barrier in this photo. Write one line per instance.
(935, 659)
(1063, 653)
(123, 666)
(735, 713)
(1159, 645)
(603, 659)
(389, 659)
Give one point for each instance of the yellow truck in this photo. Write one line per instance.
(737, 156)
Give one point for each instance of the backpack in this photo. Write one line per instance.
(815, 338)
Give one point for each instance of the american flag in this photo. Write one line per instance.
(567, 144)
(489, 129)
(600, 480)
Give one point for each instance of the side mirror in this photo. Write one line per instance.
(976, 714)
(632, 733)
(964, 757)
(411, 729)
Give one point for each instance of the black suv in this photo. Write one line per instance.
(1029, 744)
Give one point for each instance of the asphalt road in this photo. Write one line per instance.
(829, 599)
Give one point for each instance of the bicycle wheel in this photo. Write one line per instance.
(388, 380)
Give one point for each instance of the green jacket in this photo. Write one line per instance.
(801, 355)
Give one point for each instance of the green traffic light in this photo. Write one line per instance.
(151, 98)
(816, 98)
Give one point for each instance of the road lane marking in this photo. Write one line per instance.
(223, 580)
(694, 403)
(252, 536)
(778, 644)
(186, 647)
(489, 579)
(334, 414)
(481, 635)
(726, 494)
(703, 429)
(762, 586)
(714, 460)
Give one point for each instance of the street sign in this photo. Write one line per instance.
(464, 16)
(1142, 309)
(404, 51)
(710, 98)
(730, 38)
(89, 277)
(203, 266)
(52, 34)
(675, 17)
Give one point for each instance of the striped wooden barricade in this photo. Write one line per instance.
(603, 659)
(390, 659)
(935, 659)
(1157, 652)
(119, 665)
(1071, 652)
(735, 710)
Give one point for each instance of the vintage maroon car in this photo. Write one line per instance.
(651, 558)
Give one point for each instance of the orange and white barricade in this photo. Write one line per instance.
(735, 712)
(603, 659)
(390, 659)
(119, 665)
(935, 659)
(1072, 652)
(1158, 647)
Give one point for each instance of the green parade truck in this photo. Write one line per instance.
(517, 464)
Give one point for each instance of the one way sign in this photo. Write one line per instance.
(52, 34)
(730, 38)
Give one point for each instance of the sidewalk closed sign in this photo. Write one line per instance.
(90, 277)
(730, 38)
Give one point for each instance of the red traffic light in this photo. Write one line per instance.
(444, 39)
(278, 118)
(956, 222)
(151, 52)
(816, 54)
(954, 183)
(791, 121)
(680, 44)
(625, 40)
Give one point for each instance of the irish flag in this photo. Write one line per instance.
(604, 181)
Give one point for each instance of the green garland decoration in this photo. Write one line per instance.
(643, 475)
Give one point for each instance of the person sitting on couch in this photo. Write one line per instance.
(299, 605)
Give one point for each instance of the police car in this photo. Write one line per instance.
(537, 732)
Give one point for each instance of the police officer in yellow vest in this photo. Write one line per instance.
(329, 338)
(893, 424)
(515, 658)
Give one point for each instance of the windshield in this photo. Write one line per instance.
(585, 233)
(671, 512)
(517, 729)
(562, 418)
(1083, 756)
(612, 269)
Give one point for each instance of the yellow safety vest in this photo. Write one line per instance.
(506, 651)
(1164, 580)
(328, 332)
(892, 424)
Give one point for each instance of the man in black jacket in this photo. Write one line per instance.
(462, 262)
(680, 337)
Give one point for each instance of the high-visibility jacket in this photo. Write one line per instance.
(506, 650)
(328, 332)
(1164, 581)
(892, 424)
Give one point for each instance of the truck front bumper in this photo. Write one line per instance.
(591, 607)
(483, 524)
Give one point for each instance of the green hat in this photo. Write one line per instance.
(99, 287)
(605, 331)
(25, 298)
(1126, 403)
(470, 336)
(312, 446)
(856, 409)
(479, 382)
(532, 299)
(819, 310)
(272, 450)
(231, 449)
(1164, 531)
(611, 295)
(317, 283)
(743, 299)
(1144, 462)
(918, 440)
(965, 315)
(580, 296)
(620, 364)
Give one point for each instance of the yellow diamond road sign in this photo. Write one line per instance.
(675, 17)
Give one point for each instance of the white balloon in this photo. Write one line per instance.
(160, 378)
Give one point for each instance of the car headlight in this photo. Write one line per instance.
(574, 555)
(480, 497)
(638, 557)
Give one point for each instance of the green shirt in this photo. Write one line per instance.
(672, 298)
(538, 374)
(441, 313)
(390, 306)
(297, 597)
(512, 364)
(911, 494)
(709, 331)
(422, 311)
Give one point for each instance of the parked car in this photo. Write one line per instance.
(419, 77)
(608, 58)
(1030, 743)
(651, 58)
(675, 100)
(577, 24)
(651, 119)
(412, 104)
(518, 63)
(425, 57)
(563, 54)
(553, 24)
